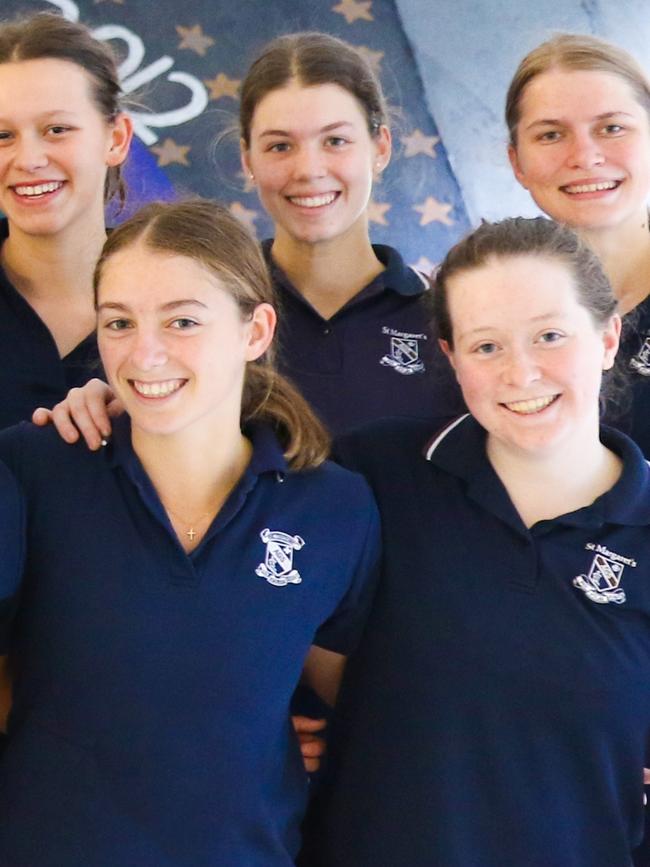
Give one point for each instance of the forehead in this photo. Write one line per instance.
(140, 272)
(511, 288)
(568, 93)
(34, 86)
(296, 106)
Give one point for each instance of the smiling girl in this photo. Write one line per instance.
(498, 710)
(578, 113)
(62, 141)
(178, 581)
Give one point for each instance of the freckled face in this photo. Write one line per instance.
(313, 160)
(583, 148)
(528, 356)
(55, 146)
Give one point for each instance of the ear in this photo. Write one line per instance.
(120, 140)
(611, 340)
(516, 167)
(245, 156)
(447, 350)
(261, 330)
(383, 149)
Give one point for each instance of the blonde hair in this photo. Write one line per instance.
(571, 51)
(206, 232)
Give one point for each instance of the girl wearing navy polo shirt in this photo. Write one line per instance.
(314, 136)
(63, 139)
(497, 713)
(578, 113)
(179, 580)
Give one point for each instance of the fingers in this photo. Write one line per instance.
(84, 411)
(646, 776)
(41, 416)
(307, 724)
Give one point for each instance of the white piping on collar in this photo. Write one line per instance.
(443, 433)
(423, 278)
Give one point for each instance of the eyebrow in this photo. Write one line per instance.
(330, 126)
(171, 305)
(551, 121)
(553, 314)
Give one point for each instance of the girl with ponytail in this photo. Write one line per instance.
(180, 580)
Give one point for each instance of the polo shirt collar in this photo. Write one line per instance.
(459, 449)
(267, 458)
(397, 276)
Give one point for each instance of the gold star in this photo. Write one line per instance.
(374, 58)
(377, 212)
(222, 86)
(169, 152)
(244, 215)
(418, 143)
(425, 266)
(194, 39)
(431, 209)
(354, 9)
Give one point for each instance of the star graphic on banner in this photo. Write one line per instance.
(169, 152)
(425, 266)
(222, 86)
(194, 39)
(418, 143)
(248, 183)
(431, 209)
(352, 10)
(377, 212)
(244, 215)
(374, 58)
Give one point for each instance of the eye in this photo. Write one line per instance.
(278, 147)
(336, 141)
(183, 323)
(486, 348)
(4, 135)
(58, 130)
(117, 324)
(550, 336)
(550, 135)
(613, 129)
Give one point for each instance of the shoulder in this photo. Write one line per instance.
(399, 276)
(384, 446)
(30, 450)
(341, 485)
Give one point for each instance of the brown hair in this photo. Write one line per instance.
(312, 58)
(519, 236)
(206, 232)
(47, 35)
(573, 52)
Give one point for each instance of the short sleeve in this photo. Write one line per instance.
(12, 545)
(342, 631)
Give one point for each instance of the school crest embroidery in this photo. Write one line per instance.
(404, 355)
(277, 567)
(602, 583)
(641, 361)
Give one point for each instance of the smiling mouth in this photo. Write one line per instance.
(160, 389)
(597, 187)
(529, 407)
(32, 191)
(313, 201)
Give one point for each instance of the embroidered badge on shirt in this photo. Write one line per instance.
(404, 354)
(602, 583)
(277, 567)
(641, 361)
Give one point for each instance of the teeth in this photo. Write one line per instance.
(313, 201)
(591, 188)
(39, 189)
(157, 389)
(526, 407)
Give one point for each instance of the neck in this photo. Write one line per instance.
(624, 251)
(53, 265)
(543, 486)
(329, 273)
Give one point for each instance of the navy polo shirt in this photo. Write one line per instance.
(497, 713)
(11, 546)
(631, 412)
(376, 357)
(32, 373)
(151, 721)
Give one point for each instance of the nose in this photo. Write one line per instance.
(520, 369)
(585, 151)
(309, 163)
(30, 155)
(148, 350)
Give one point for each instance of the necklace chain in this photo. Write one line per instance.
(191, 533)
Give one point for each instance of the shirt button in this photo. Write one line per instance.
(326, 330)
